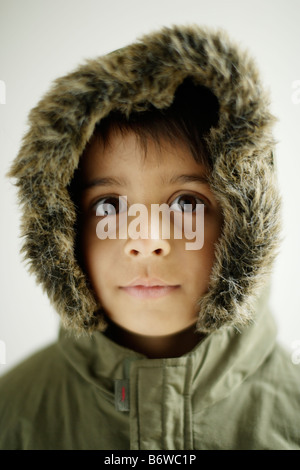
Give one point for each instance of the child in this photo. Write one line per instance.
(164, 344)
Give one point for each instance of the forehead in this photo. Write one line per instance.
(124, 155)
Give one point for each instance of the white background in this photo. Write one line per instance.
(43, 39)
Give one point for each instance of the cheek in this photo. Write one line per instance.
(197, 264)
(212, 232)
(95, 253)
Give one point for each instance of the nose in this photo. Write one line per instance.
(147, 247)
(150, 241)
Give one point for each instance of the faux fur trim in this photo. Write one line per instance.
(243, 180)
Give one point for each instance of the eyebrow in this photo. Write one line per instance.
(203, 179)
(107, 181)
(112, 181)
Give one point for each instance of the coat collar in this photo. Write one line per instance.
(217, 365)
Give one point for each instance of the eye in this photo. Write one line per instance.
(110, 205)
(186, 203)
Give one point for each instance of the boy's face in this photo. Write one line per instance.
(120, 270)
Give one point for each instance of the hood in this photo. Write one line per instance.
(147, 73)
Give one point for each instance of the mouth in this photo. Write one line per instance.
(149, 288)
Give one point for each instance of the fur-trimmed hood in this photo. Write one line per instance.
(243, 179)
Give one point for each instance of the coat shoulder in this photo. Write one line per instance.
(22, 394)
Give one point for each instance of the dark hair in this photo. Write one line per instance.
(194, 110)
(192, 113)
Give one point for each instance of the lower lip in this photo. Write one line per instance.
(153, 292)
